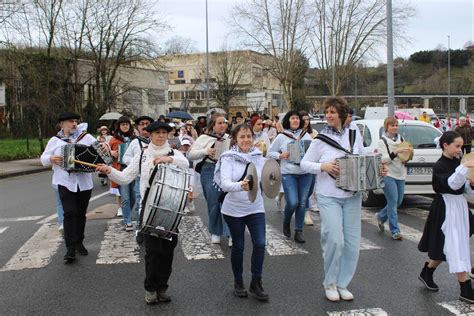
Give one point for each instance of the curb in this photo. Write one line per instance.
(22, 173)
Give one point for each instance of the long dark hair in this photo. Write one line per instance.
(309, 129)
(448, 138)
(118, 133)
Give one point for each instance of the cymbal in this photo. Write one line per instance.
(253, 182)
(468, 157)
(271, 178)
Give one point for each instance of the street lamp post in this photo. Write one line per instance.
(390, 79)
(207, 60)
(449, 78)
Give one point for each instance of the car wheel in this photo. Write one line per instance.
(369, 199)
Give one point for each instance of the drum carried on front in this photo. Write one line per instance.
(164, 201)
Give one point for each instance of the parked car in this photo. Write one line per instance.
(423, 137)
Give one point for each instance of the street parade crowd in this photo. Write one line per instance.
(215, 156)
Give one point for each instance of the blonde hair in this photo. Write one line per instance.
(391, 120)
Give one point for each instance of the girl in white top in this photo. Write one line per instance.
(340, 210)
(159, 251)
(394, 187)
(239, 212)
(259, 135)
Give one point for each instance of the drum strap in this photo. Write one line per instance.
(391, 154)
(223, 194)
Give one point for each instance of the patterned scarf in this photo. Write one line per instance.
(253, 155)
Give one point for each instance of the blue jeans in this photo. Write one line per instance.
(136, 206)
(340, 237)
(211, 194)
(393, 190)
(127, 196)
(296, 187)
(59, 205)
(256, 226)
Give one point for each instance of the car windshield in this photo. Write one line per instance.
(418, 135)
(318, 125)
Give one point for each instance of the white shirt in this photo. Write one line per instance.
(396, 169)
(131, 172)
(70, 180)
(236, 202)
(320, 152)
(199, 149)
(133, 149)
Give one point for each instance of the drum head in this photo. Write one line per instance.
(408, 155)
(271, 178)
(253, 179)
(469, 157)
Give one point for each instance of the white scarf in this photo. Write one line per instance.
(151, 152)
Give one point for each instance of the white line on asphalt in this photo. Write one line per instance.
(195, 240)
(279, 245)
(37, 251)
(407, 232)
(20, 219)
(47, 219)
(458, 307)
(365, 312)
(53, 216)
(118, 246)
(365, 244)
(3, 229)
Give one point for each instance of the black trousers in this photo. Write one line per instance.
(75, 207)
(466, 149)
(159, 255)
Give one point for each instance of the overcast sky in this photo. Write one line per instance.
(435, 20)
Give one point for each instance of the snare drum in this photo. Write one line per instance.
(164, 201)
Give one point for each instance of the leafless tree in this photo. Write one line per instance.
(228, 67)
(349, 30)
(278, 28)
(179, 45)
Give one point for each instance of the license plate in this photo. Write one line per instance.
(419, 170)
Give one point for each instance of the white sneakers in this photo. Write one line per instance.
(334, 293)
(308, 220)
(230, 242)
(215, 239)
(119, 212)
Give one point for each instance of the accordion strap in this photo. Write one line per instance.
(331, 142)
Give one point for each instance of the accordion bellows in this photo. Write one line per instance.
(360, 173)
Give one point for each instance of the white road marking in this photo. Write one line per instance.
(458, 307)
(53, 216)
(195, 240)
(20, 219)
(47, 219)
(360, 312)
(118, 246)
(3, 229)
(365, 244)
(37, 251)
(407, 232)
(279, 245)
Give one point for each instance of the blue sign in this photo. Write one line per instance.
(180, 73)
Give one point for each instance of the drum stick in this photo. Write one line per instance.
(85, 163)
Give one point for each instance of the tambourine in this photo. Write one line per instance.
(407, 155)
(468, 157)
(262, 146)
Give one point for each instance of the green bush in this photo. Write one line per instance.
(13, 149)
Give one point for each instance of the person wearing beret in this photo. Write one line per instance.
(159, 252)
(74, 188)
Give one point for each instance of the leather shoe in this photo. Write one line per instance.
(299, 236)
(286, 230)
(70, 255)
(80, 249)
(257, 291)
(239, 289)
(162, 296)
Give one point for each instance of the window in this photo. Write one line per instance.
(179, 81)
(196, 81)
(419, 136)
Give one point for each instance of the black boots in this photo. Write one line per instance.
(257, 291)
(239, 289)
(80, 249)
(426, 276)
(70, 255)
(467, 294)
(286, 230)
(299, 236)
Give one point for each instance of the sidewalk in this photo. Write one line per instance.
(21, 167)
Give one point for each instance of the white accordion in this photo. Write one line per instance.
(360, 173)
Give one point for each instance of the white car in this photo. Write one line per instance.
(423, 137)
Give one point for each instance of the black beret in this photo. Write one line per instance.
(157, 125)
(143, 118)
(68, 116)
